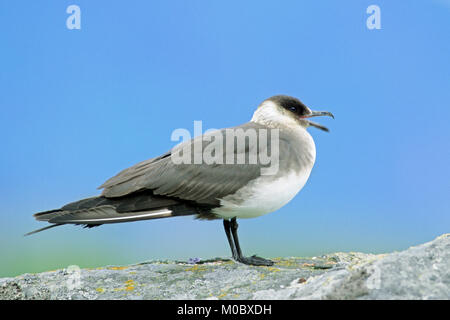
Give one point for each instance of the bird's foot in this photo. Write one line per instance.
(255, 261)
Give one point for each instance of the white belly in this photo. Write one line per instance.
(268, 193)
(262, 196)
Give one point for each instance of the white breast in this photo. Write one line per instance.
(262, 196)
(269, 193)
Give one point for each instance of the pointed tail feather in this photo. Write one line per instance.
(100, 210)
(95, 217)
(106, 214)
(42, 229)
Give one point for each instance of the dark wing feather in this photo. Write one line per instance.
(202, 183)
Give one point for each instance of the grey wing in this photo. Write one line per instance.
(202, 183)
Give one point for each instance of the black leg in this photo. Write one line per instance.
(227, 227)
(234, 226)
(236, 248)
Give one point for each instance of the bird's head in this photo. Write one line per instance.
(284, 110)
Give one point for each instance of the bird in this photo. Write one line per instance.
(165, 186)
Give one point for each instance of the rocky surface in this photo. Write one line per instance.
(420, 272)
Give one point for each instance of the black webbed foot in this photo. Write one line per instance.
(231, 227)
(255, 261)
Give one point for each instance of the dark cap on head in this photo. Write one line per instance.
(298, 110)
(291, 104)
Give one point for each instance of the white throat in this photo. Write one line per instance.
(271, 115)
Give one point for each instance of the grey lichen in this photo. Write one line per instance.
(417, 273)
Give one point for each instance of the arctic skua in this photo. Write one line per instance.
(237, 183)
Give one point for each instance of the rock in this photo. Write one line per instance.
(420, 272)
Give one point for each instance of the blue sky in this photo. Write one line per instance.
(78, 106)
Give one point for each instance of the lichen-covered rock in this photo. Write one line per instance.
(420, 272)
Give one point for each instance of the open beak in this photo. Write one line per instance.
(318, 114)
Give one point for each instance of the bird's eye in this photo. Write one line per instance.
(293, 109)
